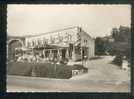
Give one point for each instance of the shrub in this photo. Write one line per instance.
(19, 68)
(52, 71)
(63, 71)
(79, 67)
(118, 60)
(43, 69)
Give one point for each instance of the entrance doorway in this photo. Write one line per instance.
(12, 48)
(85, 52)
(63, 53)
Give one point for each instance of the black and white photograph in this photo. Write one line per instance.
(68, 48)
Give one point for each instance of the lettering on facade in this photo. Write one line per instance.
(57, 38)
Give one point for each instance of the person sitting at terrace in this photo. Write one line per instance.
(51, 58)
(25, 58)
(44, 60)
(20, 59)
(33, 58)
(38, 59)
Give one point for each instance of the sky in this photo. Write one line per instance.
(96, 20)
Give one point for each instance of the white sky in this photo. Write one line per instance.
(97, 20)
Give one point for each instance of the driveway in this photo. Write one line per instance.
(101, 77)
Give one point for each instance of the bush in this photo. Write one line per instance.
(52, 71)
(118, 60)
(96, 57)
(19, 68)
(63, 71)
(43, 69)
(79, 67)
(64, 61)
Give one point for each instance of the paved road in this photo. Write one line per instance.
(102, 77)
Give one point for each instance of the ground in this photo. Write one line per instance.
(102, 76)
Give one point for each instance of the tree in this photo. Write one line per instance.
(121, 44)
(115, 33)
(122, 34)
(99, 46)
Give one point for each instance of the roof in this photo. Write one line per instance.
(15, 37)
(51, 31)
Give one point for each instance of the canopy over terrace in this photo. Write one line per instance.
(53, 50)
(23, 49)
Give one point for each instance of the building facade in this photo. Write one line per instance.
(72, 43)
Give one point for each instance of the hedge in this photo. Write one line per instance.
(19, 68)
(52, 71)
(42, 69)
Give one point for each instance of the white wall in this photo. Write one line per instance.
(87, 41)
(67, 35)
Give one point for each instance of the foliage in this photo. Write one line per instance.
(117, 44)
(122, 34)
(121, 45)
(99, 46)
(42, 69)
(19, 68)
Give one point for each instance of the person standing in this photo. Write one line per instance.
(85, 60)
(124, 64)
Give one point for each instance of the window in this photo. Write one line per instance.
(85, 41)
(78, 49)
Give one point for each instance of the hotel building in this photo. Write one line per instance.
(72, 43)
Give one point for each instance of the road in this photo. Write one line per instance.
(101, 77)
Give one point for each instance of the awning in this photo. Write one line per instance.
(63, 45)
(54, 46)
(25, 49)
